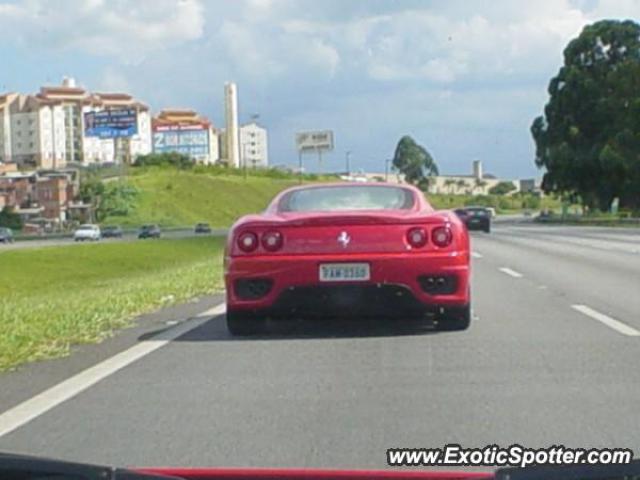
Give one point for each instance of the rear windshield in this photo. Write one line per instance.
(352, 197)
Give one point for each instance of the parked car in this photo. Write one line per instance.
(111, 231)
(202, 228)
(87, 232)
(6, 235)
(149, 231)
(475, 218)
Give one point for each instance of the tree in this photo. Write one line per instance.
(179, 160)
(479, 184)
(112, 198)
(588, 139)
(118, 199)
(461, 184)
(502, 188)
(449, 182)
(414, 162)
(10, 219)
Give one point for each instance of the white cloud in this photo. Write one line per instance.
(271, 51)
(111, 80)
(115, 28)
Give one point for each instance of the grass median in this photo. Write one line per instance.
(52, 298)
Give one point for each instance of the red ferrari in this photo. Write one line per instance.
(332, 250)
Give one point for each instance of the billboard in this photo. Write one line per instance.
(317, 140)
(191, 140)
(111, 123)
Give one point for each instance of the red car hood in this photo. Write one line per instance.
(312, 474)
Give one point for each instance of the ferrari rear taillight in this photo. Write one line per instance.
(272, 241)
(247, 242)
(417, 237)
(441, 236)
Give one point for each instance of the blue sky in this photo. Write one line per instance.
(464, 78)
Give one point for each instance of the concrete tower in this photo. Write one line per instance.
(231, 118)
(477, 169)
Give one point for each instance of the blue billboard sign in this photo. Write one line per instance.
(188, 140)
(111, 123)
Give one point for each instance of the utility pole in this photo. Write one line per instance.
(300, 166)
(348, 161)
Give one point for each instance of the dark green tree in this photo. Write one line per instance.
(118, 199)
(414, 162)
(175, 159)
(502, 188)
(10, 219)
(108, 198)
(588, 139)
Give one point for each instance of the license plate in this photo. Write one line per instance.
(344, 272)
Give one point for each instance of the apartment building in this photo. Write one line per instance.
(254, 150)
(31, 132)
(47, 130)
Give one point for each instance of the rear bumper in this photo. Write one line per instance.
(395, 282)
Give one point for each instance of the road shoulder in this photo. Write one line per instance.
(31, 379)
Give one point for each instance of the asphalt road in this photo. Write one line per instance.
(127, 237)
(552, 357)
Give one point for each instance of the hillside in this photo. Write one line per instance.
(172, 197)
(179, 198)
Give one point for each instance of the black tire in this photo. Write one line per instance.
(487, 229)
(455, 319)
(244, 323)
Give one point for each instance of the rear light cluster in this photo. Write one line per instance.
(249, 242)
(418, 237)
(442, 236)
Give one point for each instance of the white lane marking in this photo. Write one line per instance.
(41, 403)
(476, 255)
(617, 325)
(511, 273)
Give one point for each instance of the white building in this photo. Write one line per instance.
(32, 131)
(254, 149)
(46, 130)
(477, 183)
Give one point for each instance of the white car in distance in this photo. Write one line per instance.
(87, 232)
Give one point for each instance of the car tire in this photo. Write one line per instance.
(455, 319)
(242, 323)
(487, 229)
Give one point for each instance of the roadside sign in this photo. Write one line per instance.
(191, 140)
(111, 123)
(314, 141)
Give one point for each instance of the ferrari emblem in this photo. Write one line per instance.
(344, 239)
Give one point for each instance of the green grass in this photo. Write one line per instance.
(52, 298)
(172, 197)
(502, 203)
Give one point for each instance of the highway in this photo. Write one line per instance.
(127, 237)
(552, 357)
